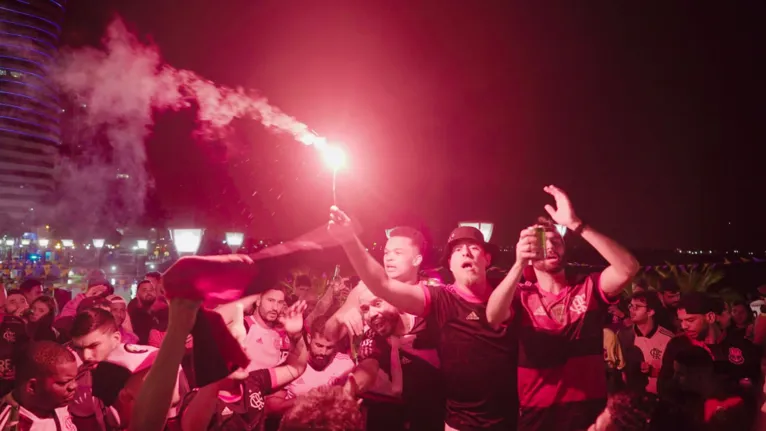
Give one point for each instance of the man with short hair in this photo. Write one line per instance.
(737, 359)
(156, 279)
(265, 344)
(478, 362)
(559, 321)
(32, 289)
(146, 312)
(15, 303)
(96, 338)
(402, 346)
(45, 383)
(646, 335)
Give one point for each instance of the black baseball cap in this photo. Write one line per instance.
(467, 233)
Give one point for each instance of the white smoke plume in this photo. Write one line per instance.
(122, 85)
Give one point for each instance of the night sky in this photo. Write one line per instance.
(648, 114)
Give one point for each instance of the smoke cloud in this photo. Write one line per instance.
(120, 86)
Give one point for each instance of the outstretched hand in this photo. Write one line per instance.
(340, 226)
(563, 214)
(292, 318)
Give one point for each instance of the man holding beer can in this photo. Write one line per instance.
(559, 321)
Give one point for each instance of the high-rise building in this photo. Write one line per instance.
(30, 132)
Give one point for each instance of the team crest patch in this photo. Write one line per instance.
(735, 356)
(134, 348)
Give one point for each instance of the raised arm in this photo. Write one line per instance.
(398, 294)
(295, 364)
(499, 309)
(622, 265)
(155, 397)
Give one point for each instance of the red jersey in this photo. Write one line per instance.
(561, 376)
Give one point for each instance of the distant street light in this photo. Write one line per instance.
(99, 243)
(186, 240)
(235, 240)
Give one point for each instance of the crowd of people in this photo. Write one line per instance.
(542, 349)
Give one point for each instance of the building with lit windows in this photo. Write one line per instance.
(30, 132)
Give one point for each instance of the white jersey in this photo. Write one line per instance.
(653, 347)
(266, 347)
(335, 373)
(61, 421)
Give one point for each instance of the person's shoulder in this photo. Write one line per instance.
(664, 332)
(259, 380)
(679, 341)
(343, 359)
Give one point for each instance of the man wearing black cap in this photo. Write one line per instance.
(736, 359)
(478, 361)
(559, 321)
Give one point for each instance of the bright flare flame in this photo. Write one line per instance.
(67, 243)
(98, 243)
(333, 156)
(142, 244)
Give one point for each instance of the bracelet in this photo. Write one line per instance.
(578, 230)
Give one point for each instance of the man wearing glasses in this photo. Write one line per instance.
(648, 337)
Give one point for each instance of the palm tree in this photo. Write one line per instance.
(693, 278)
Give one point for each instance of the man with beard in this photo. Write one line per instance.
(400, 384)
(146, 312)
(265, 345)
(736, 359)
(478, 362)
(45, 383)
(670, 295)
(326, 367)
(559, 322)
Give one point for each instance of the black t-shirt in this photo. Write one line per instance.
(419, 378)
(734, 358)
(478, 363)
(13, 339)
(247, 413)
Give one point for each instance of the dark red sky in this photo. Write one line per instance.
(648, 115)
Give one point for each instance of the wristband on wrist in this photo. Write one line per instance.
(578, 230)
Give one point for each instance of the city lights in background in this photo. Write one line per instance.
(484, 226)
(43, 242)
(10, 242)
(235, 240)
(99, 243)
(186, 240)
(68, 243)
(25, 242)
(142, 244)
